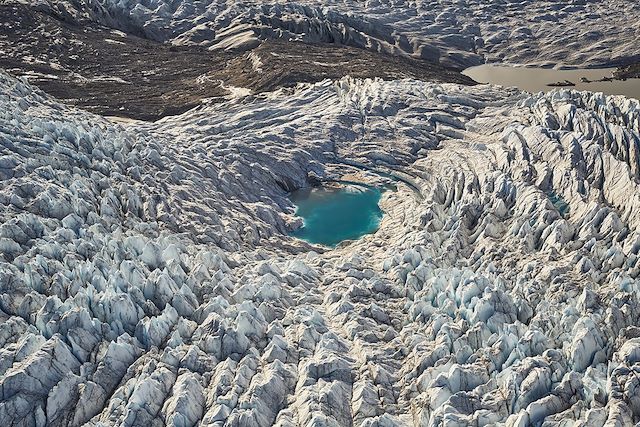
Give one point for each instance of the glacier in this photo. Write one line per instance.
(456, 33)
(148, 276)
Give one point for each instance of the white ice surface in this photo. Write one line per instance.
(146, 279)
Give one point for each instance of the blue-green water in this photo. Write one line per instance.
(559, 203)
(332, 215)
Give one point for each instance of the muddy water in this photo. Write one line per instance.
(538, 79)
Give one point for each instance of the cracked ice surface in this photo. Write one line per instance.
(455, 33)
(146, 277)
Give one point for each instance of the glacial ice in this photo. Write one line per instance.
(454, 33)
(147, 277)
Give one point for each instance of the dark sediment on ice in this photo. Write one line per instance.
(113, 73)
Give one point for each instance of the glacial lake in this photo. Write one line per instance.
(334, 214)
(538, 79)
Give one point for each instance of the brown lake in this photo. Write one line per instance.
(538, 79)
